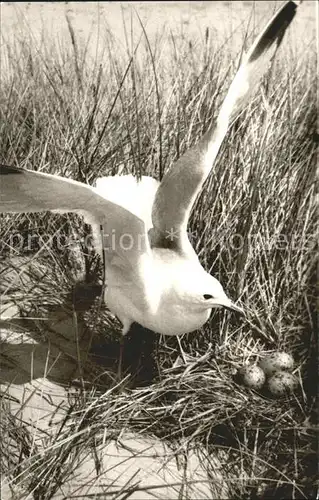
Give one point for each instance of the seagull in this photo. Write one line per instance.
(154, 276)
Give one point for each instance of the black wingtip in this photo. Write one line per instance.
(276, 29)
(6, 169)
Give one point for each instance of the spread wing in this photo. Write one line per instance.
(24, 190)
(182, 183)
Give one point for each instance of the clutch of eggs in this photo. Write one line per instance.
(276, 367)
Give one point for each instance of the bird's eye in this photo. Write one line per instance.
(207, 296)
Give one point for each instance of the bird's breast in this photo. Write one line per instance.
(150, 298)
(172, 319)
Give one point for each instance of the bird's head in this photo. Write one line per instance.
(202, 292)
(214, 296)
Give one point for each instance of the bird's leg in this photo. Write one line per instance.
(125, 329)
(181, 350)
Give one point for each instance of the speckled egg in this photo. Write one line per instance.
(253, 376)
(282, 383)
(277, 361)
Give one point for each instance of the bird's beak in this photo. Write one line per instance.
(234, 307)
(228, 304)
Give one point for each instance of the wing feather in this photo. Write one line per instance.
(182, 183)
(24, 190)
